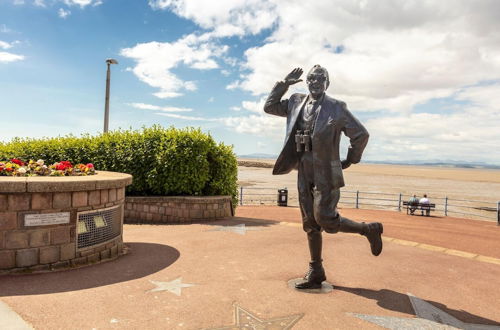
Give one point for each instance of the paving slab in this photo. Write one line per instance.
(11, 320)
(235, 273)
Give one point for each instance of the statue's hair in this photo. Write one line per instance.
(318, 67)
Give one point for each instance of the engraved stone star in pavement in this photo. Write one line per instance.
(243, 319)
(174, 286)
(238, 229)
(428, 317)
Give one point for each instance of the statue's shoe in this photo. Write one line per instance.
(308, 285)
(374, 232)
(313, 279)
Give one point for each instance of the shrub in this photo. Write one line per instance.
(168, 162)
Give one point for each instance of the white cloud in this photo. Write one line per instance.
(82, 3)
(264, 126)
(231, 61)
(145, 106)
(254, 106)
(234, 85)
(192, 118)
(261, 145)
(224, 17)
(155, 60)
(260, 125)
(166, 95)
(464, 134)
(6, 57)
(395, 54)
(63, 13)
(39, 3)
(257, 123)
(5, 45)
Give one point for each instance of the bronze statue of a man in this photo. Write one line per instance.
(314, 125)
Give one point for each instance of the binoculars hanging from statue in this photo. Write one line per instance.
(303, 141)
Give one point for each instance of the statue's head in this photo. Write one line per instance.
(317, 80)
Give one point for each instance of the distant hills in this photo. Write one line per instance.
(257, 155)
(438, 163)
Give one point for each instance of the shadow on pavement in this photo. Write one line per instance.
(143, 259)
(398, 302)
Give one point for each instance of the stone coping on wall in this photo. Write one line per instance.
(176, 209)
(178, 199)
(102, 180)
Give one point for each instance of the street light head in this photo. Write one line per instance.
(111, 61)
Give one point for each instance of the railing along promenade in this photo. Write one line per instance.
(462, 208)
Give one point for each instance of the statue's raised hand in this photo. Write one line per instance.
(293, 77)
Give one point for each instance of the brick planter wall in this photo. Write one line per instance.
(176, 209)
(50, 247)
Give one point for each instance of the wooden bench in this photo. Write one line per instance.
(423, 207)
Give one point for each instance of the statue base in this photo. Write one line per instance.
(326, 287)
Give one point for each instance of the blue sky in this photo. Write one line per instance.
(423, 77)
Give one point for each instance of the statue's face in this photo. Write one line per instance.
(317, 82)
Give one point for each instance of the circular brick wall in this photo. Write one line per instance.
(177, 209)
(49, 223)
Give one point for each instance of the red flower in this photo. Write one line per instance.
(90, 165)
(16, 161)
(61, 166)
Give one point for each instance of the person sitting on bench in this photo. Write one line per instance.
(425, 205)
(413, 204)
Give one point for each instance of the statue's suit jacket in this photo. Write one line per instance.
(332, 119)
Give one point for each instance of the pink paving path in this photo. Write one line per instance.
(228, 269)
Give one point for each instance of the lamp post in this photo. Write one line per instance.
(109, 61)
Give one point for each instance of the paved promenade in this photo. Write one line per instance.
(434, 273)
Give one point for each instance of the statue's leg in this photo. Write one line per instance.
(373, 232)
(329, 219)
(325, 208)
(316, 274)
(315, 242)
(312, 229)
(349, 226)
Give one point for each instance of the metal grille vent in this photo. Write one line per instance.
(95, 227)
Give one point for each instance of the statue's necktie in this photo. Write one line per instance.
(310, 109)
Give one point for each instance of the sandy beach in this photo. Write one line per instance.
(481, 186)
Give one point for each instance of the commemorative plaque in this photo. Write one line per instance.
(46, 219)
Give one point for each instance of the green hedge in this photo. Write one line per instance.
(169, 162)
